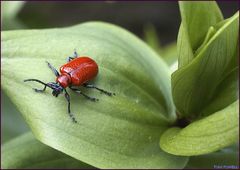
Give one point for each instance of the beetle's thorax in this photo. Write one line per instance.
(64, 80)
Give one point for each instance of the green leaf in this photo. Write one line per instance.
(26, 152)
(207, 135)
(225, 94)
(223, 159)
(117, 132)
(209, 35)
(194, 84)
(197, 17)
(10, 115)
(184, 50)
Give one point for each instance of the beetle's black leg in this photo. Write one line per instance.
(86, 96)
(53, 69)
(75, 55)
(70, 58)
(101, 90)
(69, 110)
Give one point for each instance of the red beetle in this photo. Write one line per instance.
(77, 72)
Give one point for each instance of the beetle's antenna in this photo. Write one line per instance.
(39, 81)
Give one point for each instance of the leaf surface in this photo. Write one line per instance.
(9, 115)
(197, 17)
(206, 135)
(116, 132)
(25, 152)
(194, 84)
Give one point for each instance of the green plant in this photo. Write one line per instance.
(205, 85)
(9, 11)
(26, 152)
(124, 131)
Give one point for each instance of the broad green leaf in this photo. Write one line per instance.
(26, 152)
(117, 132)
(197, 17)
(204, 136)
(184, 49)
(234, 63)
(12, 122)
(225, 94)
(209, 35)
(224, 159)
(193, 85)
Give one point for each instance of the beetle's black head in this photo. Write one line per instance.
(57, 89)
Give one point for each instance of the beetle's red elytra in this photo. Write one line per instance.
(78, 71)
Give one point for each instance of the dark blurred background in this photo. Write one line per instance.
(133, 16)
